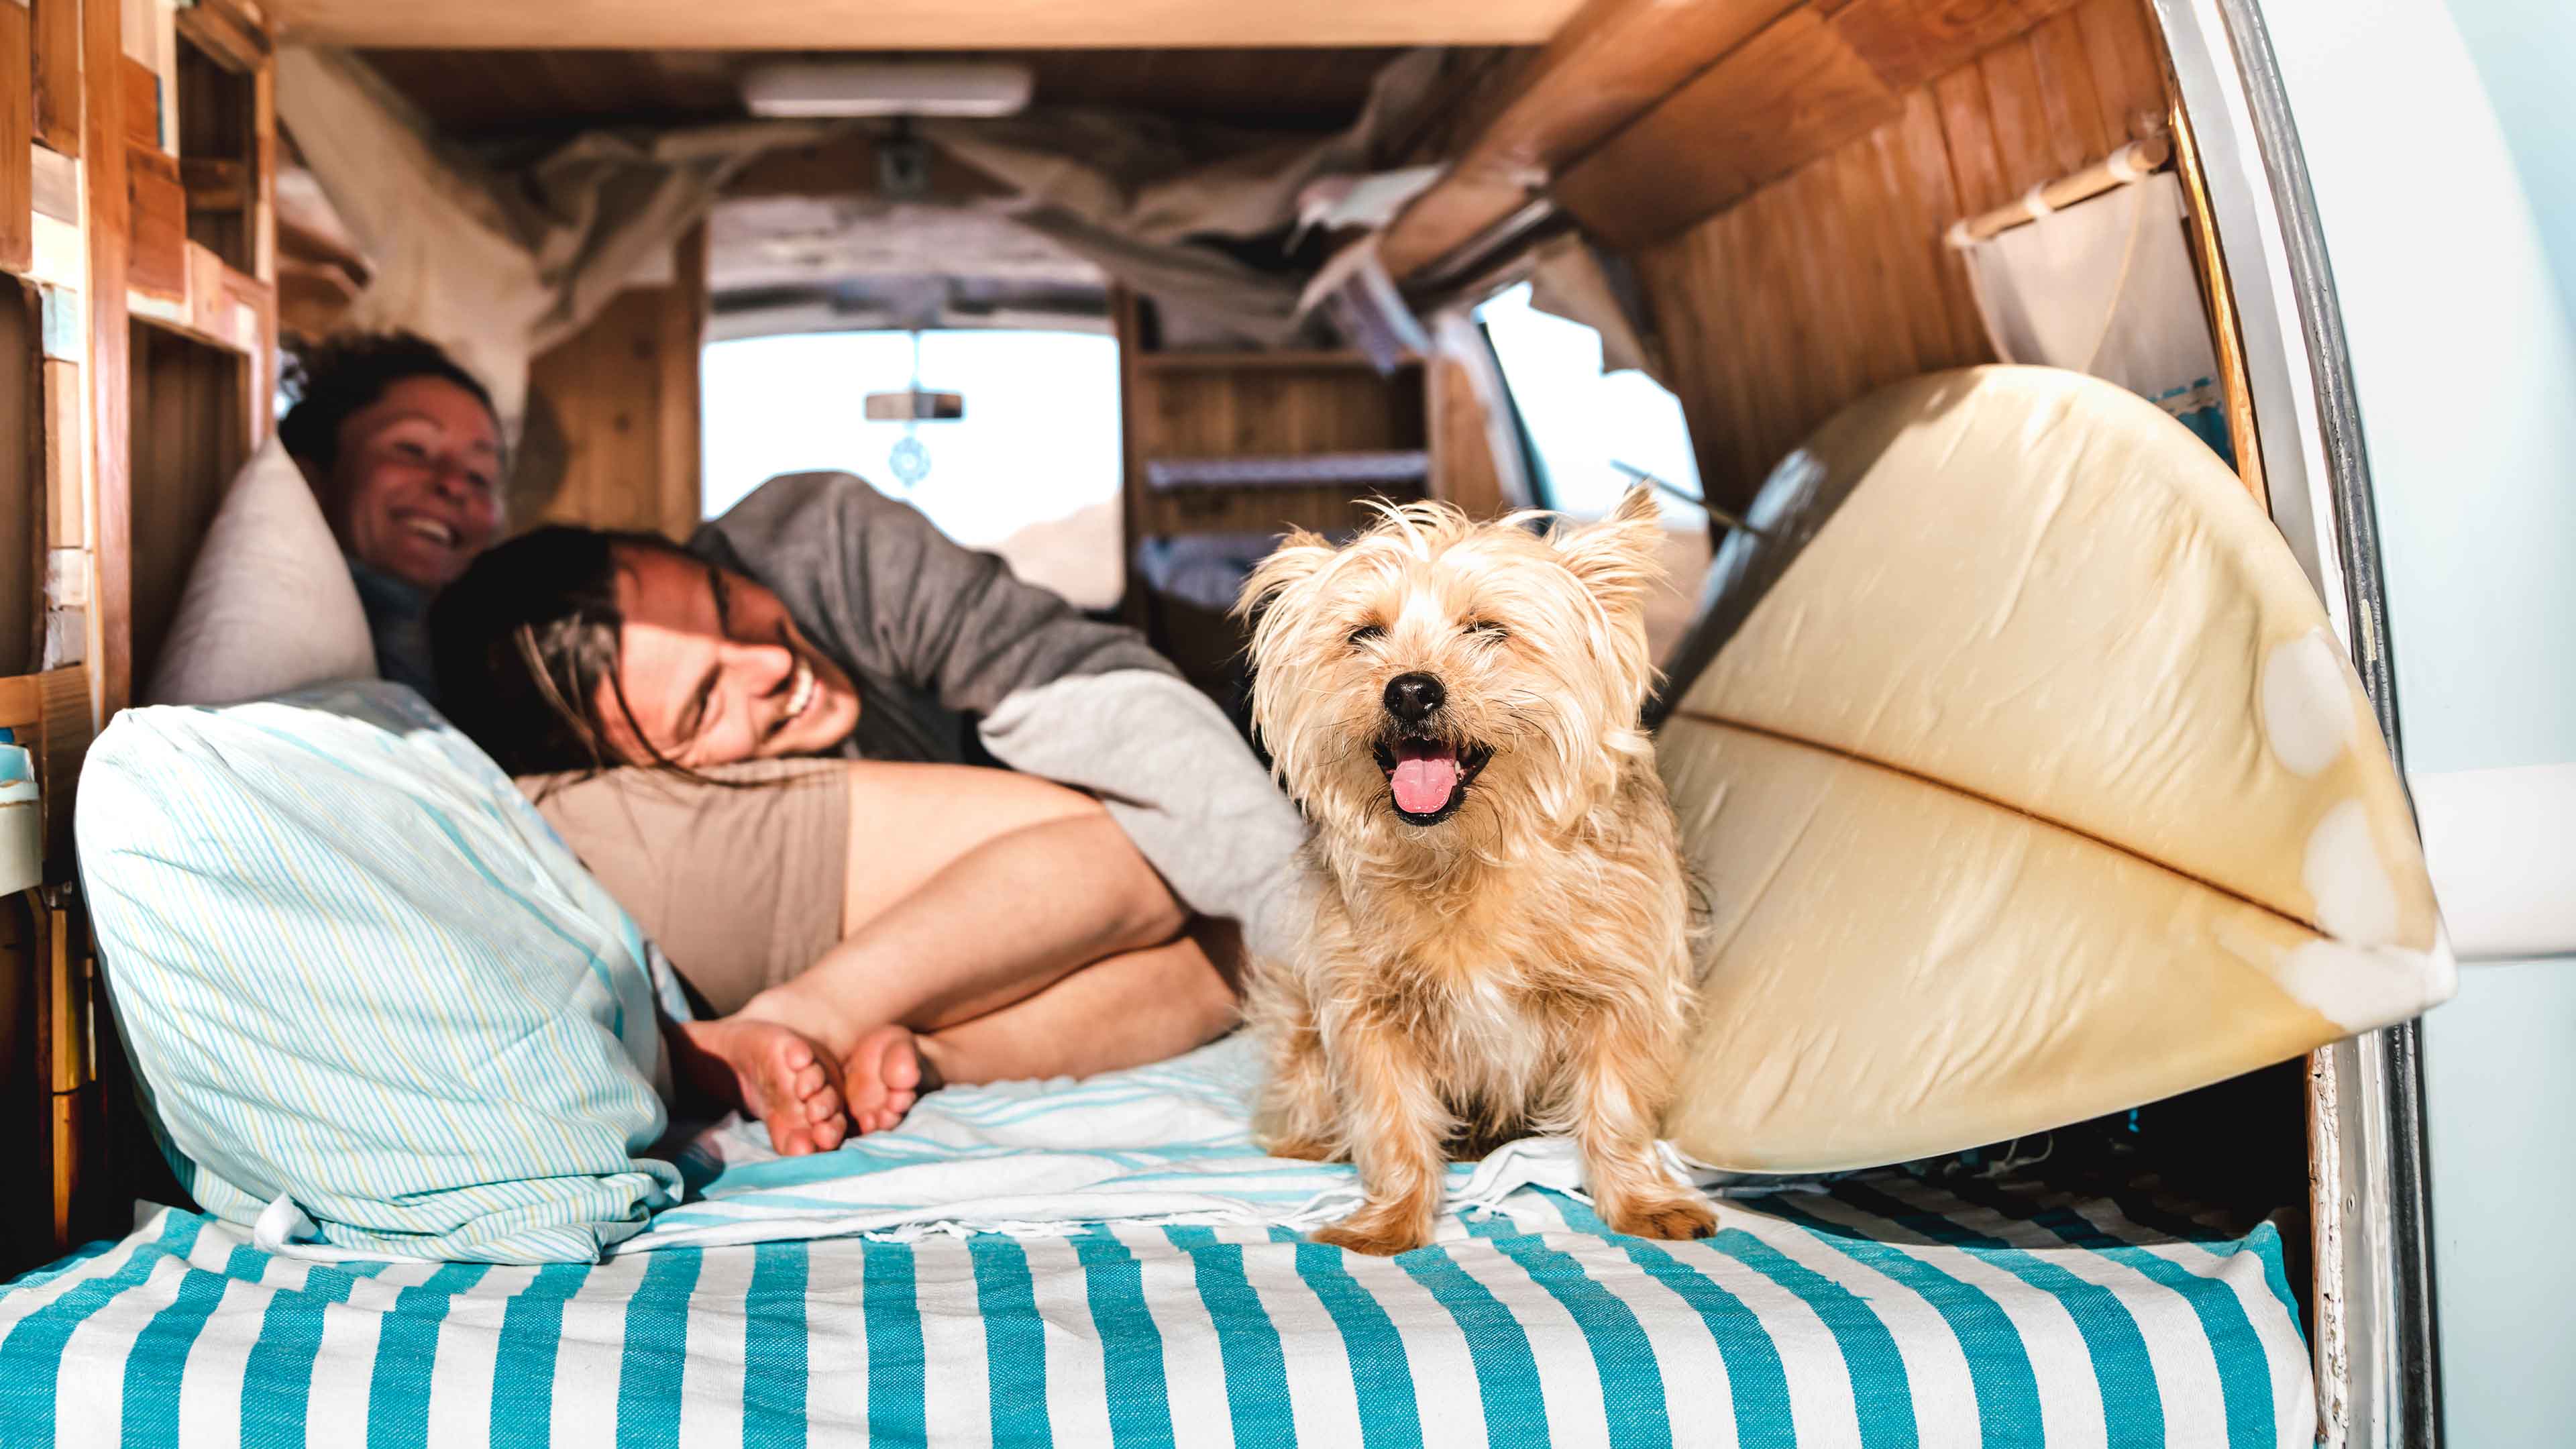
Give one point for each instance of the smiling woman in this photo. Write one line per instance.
(403, 449)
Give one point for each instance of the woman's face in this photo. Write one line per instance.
(715, 672)
(415, 491)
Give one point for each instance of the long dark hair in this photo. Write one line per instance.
(526, 650)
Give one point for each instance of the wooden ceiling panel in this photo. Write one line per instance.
(1910, 41)
(1612, 61)
(915, 24)
(1821, 75)
(1789, 94)
(473, 93)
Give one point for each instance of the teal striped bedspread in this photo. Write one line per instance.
(1888, 1312)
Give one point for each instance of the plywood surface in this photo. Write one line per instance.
(619, 400)
(190, 436)
(1814, 79)
(1613, 61)
(57, 74)
(1833, 280)
(106, 74)
(917, 24)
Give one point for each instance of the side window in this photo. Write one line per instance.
(1031, 471)
(1587, 429)
(1582, 422)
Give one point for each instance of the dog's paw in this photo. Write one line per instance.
(1673, 1219)
(1375, 1240)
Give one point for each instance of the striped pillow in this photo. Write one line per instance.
(357, 971)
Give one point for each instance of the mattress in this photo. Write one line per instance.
(1888, 1311)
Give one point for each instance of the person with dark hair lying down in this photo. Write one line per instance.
(921, 920)
(404, 451)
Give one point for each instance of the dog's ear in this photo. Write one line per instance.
(1620, 557)
(1299, 556)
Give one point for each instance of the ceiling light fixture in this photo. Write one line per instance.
(889, 88)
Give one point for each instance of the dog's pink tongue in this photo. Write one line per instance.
(1424, 782)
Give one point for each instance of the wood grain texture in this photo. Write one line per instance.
(1787, 95)
(17, 138)
(138, 95)
(1835, 280)
(1613, 61)
(104, 148)
(58, 74)
(191, 434)
(1907, 42)
(2126, 57)
(225, 33)
(66, 512)
(624, 394)
(917, 24)
(157, 224)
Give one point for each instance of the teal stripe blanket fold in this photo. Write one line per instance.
(1895, 1312)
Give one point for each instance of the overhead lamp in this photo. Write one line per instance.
(888, 88)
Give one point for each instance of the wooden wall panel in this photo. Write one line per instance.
(1815, 78)
(22, 482)
(157, 224)
(191, 434)
(1789, 92)
(17, 138)
(106, 73)
(623, 395)
(1835, 280)
(57, 74)
(1464, 470)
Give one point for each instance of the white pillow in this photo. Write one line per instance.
(269, 605)
(357, 971)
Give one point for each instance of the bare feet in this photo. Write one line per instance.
(886, 1073)
(773, 1073)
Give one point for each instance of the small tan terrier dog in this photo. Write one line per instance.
(1500, 941)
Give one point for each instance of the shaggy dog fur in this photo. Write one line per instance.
(1500, 936)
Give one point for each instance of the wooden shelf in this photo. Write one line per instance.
(1312, 360)
(1403, 467)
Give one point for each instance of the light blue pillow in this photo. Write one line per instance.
(356, 970)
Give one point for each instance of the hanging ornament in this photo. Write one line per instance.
(909, 460)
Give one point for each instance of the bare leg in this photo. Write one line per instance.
(1143, 1006)
(987, 908)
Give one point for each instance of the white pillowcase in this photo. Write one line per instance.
(269, 605)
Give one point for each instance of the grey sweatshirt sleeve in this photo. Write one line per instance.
(1060, 696)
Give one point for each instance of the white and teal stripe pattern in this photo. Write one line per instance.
(355, 966)
(1886, 1314)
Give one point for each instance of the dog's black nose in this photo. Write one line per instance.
(1412, 697)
